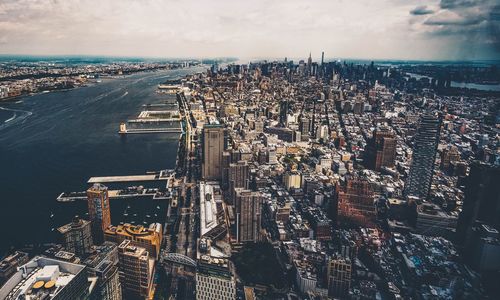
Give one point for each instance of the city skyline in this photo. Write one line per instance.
(391, 29)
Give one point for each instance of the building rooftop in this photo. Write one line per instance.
(40, 278)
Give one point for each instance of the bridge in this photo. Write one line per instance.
(178, 259)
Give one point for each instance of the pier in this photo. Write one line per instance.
(131, 192)
(153, 121)
(164, 175)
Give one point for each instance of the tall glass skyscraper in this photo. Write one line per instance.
(425, 146)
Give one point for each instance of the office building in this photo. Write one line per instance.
(239, 174)
(425, 146)
(304, 127)
(381, 150)
(215, 279)
(292, 180)
(483, 251)
(339, 277)
(136, 269)
(226, 162)
(248, 207)
(482, 200)
(148, 238)
(77, 236)
(283, 112)
(213, 146)
(238, 177)
(48, 279)
(355, 202)
(103, 265)
(99, 211)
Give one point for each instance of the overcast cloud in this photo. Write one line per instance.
(397, 29)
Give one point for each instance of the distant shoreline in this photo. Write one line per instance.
(14, 99)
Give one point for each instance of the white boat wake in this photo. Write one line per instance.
(19, 116)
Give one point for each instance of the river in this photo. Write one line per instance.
(54, 142)
(468, 85)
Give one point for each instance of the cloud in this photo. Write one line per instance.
(447, 17)
(258, 28)
(421, 10)
(451, 4)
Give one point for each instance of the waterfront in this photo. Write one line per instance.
(55, 142)
(468, 85)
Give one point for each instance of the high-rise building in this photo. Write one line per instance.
(425, 146)
(339, 277)
(226, 162)
(213, 146)
(483, 250)
(49, 279)
(355, 202)
(238, 176)
(77, 236)
(99, 211)
(381, 150)
(309, 65)
(215, 279)
(292, 180)
(283, 112)
(138, 235)
(103, 264)
(248, 206)
(482, 200)
(304, 127)
(136, 269)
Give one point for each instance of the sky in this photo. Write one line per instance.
(364, 29)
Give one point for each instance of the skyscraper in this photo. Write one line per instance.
(482, 200)
(99, 211)
(226, 162)
(248, 206)
(215, 279)
(103, 264)
(309, 65)
(136, 271)
(425, 146)
(238, 176)
(283, 112)
(149, 238)
(213, 146)
(381, 150)
(339, 277)
(304, 127)
(77, 236)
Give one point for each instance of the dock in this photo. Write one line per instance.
(150, 130)
(164, 175)
(153, 121)
(155, 193)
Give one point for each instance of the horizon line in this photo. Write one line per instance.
(250, 59)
